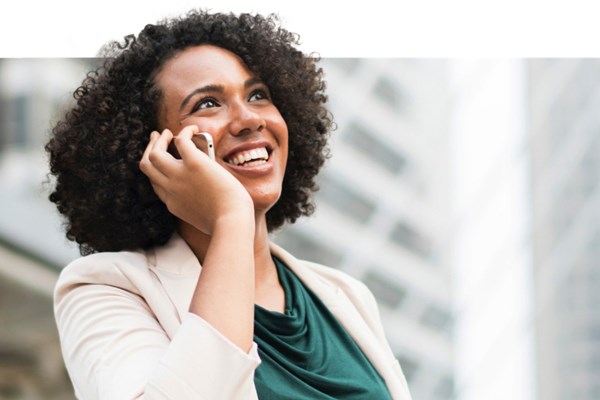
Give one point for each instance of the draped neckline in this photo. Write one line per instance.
(306, 353)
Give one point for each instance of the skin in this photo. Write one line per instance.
(221, 207)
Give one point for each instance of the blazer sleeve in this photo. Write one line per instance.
(115, 348)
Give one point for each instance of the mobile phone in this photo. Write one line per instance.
(205, 145)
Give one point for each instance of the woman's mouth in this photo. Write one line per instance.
(249, 158)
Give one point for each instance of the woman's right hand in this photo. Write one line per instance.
(194, 188)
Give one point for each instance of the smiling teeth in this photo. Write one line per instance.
(250, 155)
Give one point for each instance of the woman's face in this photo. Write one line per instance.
(211, 87)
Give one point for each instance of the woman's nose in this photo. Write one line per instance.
(245, 120)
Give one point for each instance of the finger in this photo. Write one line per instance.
(188, 131)
(149, 169)
(145, 163)
(155, 175)
(159, 155)
(150, 145)
(182, 135)
(185, 145)
(162, 143)
(164, 162)
(160, 192)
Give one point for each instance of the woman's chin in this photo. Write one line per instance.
(264, 202)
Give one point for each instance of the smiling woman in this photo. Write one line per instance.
(210, 88)
(180, 294)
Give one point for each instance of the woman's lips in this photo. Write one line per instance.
(255, 167)
(249, 157)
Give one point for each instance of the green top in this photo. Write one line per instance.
(307, 354)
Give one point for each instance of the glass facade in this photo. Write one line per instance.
(565, 148)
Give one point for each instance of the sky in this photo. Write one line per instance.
(377, 28)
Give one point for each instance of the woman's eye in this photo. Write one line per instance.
(208, 102)
(258, 94)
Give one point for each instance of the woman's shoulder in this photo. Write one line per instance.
(107, 268)
(130, 266)
(103, 261)
(107, 259)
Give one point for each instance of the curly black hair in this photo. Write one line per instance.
(108, 203)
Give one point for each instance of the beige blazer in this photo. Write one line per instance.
(126, 332)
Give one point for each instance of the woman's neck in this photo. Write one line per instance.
(264, 267)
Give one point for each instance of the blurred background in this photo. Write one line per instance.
(464, 192)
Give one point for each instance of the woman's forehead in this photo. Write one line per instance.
(202, 65)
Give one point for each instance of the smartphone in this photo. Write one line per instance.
(205, 145)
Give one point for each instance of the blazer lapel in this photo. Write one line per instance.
(177, 269)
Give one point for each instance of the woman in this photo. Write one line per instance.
(181, 295)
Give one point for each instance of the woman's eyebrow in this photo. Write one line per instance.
(253, 81)
(217, 88)
(203, 89)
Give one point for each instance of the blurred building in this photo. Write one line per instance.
(491, 235)
(383, 209)
(564, 99)
(32, 247)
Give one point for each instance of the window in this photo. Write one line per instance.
(388, 91)
(15, 121)
(348, 65)
(308, 248)
(406, 236)
(4, 122)
(409, 366)
(384, 289)
(445, 388)
(345, 199)
(374, 148)
(436, 318)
